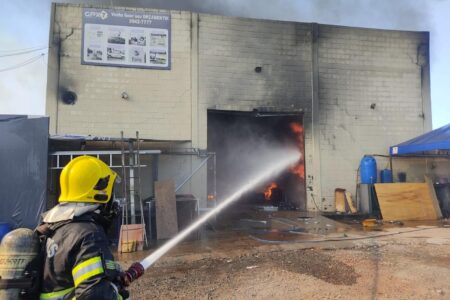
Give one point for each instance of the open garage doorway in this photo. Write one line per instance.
(238, 137)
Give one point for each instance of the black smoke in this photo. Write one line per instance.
(383, 14)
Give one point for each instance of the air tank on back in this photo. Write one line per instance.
(17, 249)
(368, 170)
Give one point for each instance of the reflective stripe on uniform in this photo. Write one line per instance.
(111, 265)
(87, 269)
(56, 295)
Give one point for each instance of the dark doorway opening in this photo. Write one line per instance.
(239, 138)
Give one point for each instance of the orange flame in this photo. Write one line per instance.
(299, 168)
(296, 128)
(268, 190)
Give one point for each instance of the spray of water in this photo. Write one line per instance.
(273, 167)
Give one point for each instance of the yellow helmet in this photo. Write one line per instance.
(86, 179)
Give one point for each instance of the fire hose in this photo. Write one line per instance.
(137, 269)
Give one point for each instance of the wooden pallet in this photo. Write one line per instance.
(131, 238)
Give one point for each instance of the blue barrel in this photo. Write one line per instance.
(386, 176)
(4, 229)
(368, 170)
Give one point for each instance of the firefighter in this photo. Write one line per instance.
(78, 262)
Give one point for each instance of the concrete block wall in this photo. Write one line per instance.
(159, 103)
(359, 68)
(333, 74)
(231, 48)
(229, 51)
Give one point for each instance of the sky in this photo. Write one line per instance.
(24, 29)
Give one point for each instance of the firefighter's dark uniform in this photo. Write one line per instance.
(78, 261)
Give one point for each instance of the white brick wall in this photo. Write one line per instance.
(358, 67)
(231, 48)
(229, 51)
(159, 101)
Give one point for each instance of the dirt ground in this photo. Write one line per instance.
(411, 263)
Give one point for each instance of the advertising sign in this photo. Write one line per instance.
(125, 39)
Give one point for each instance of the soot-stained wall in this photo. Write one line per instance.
(334, 75)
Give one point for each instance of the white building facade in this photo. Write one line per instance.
(359, 90)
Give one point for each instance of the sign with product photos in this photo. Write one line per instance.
(123, 38)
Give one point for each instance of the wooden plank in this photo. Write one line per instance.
(405, 201)
(339, 197)
(349, 198)
(433, 196)
(166, 209)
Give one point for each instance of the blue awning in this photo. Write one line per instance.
(435, 140)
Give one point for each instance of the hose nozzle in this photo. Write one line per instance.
(134, 272)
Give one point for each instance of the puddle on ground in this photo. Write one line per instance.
(280, 227)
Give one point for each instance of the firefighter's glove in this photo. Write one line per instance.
(124, 293)
(134, 272)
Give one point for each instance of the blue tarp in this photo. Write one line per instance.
(435, 140)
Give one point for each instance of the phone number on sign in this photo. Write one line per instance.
(140, 22)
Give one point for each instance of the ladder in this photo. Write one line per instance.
(131, 188)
